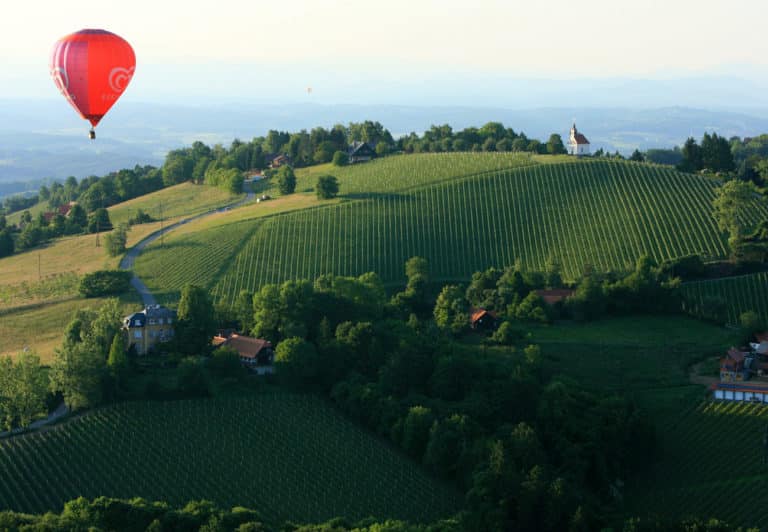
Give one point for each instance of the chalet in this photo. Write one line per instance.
(554, 296)
(277, 160)
(481, 319)
(577, 142)
(147, 328)
(253, 351)
(360, 152)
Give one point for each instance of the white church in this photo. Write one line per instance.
(577, 143)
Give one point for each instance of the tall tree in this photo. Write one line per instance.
(77, 372)
(116, 240)
(195, 325)
(286, 180)
(555, 145)
(730, 204)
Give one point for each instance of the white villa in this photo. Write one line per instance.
(577, 142)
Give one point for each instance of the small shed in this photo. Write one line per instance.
(481, 319)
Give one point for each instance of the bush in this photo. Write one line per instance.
(105, 283)
(340, 159)
(116, 240)
(140, 217)
(286, 180)
(327, 187)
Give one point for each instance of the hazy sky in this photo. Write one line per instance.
(182, 46)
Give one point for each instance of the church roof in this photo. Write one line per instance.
(581, 139)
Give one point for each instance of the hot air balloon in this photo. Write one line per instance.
(92, 68)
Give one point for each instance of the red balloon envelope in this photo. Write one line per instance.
(92, 68)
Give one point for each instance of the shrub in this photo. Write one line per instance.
(105, 283)
(340, 159)
(327, 187)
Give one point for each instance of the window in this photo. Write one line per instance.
(169, 321)
(151, 322)
(160, 321)
(138, 323)
(137, 334)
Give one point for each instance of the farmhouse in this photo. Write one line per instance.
(253, 351)
(277, 160)
(744, 373)
(481, 319)
(147, 328)
(62, 209)
(577, 142)
(360, 152)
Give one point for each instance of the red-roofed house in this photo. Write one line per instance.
(577, 142)
(554, 295)
(483, 320)
(253, 351)
(62, 209)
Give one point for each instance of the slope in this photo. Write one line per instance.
(600, 213)
(289, 456)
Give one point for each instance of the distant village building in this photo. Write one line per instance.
(62, 209)
(255, 353)
(577, 142)
(553, 296)
(360, 152)
(147, 328)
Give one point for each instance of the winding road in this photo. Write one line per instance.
(129, 259)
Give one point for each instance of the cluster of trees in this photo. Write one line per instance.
(106, 513)
(23, 390)
(525, 447)
(105, 283)
(492, 136)
(201, 163)
(713, 154)
(731, 203)
(17, 202)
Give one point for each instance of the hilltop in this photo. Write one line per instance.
(463, 212)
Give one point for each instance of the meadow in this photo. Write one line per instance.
(288, 456)
(604, 214)
(741, 294)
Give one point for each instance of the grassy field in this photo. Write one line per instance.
(630, 354)
(40, 326)
(288, 456)
(179, 200)
(743, 293)
(601, 213)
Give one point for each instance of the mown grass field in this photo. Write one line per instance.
(288, 456)
(743, 293)
(184, 199)
(602, 213)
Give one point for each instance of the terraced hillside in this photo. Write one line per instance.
(602, 213)
(743, 293)
(289, 456)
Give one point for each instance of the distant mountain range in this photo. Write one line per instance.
(44, 139)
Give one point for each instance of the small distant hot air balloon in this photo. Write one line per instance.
(92, 68)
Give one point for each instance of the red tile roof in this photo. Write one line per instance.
(479, 313)
(581, 139)
(554, 295)
(246, 346)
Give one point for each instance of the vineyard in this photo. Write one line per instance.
(713, 465)
(605, 214)
(289, 456)
(747, 292)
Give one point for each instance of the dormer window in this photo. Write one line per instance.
(138, 323)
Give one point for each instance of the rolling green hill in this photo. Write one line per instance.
(289, 456)
(602, 213)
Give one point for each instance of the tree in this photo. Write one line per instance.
(116, 240)
(296, 361)
(117, 362)
(751, 323)
(327, 187)
(555, 145)
(23, 389)
(730, 203)
(637, 156)
(195, 323)
(77, 219)
(286, 180)
(340, 158)
(452, 310)
(243, 310)
(77, 372)
(98, 221)
(416, 428)
(6, 243)
(692, 157)
(191, 378)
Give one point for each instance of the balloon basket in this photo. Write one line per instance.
(91, 134)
